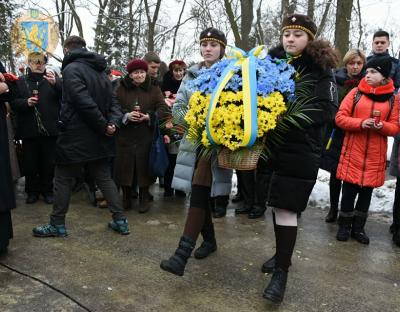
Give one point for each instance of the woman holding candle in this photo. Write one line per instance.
(367, 122)
(139, 100)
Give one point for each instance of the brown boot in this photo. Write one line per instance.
(144, 198)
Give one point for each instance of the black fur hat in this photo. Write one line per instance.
(299, 21)
(213, 34)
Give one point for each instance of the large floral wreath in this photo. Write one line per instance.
(239, 100)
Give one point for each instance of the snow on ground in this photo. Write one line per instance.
(382, 197)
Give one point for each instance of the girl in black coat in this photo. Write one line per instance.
(7, 197)
(293, 167)
(347, 78)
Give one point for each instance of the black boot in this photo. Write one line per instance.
(248, 191)
(261, 192)
(257, 212)
(396, 235)
(275, 290)
(205, 249)
(269, 265)
(176, 264)
(332, 215)
(237, 198)
(357, 231)
(219, 204)
(343, 233)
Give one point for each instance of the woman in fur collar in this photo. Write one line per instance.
(293, 167)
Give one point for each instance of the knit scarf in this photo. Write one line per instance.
(378, 94)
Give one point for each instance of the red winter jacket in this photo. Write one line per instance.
(363, 157)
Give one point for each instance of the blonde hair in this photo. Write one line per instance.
(352, 54)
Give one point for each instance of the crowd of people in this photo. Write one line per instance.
(97, 125)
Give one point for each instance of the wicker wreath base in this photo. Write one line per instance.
(243, 159)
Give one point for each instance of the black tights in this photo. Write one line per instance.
(199, 218)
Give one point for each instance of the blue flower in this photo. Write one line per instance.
(272, 75)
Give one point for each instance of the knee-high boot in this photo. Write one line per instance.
(285, 242)
(176, 263)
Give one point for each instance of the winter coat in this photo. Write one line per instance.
(294, 164)
(395, 71)
(7, 196)
(330, 157)
(88, 107)
(363, 157)
(170, 84)
(394, 169)
(48, 106)
(186, 160)
(133, 142)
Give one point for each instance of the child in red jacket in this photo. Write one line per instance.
(368, 114)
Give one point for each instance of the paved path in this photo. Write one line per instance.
(108, 272)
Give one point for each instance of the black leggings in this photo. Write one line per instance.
(349, 194)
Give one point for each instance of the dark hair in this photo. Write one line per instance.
(74, 42)
(381, 33)
(152, 57)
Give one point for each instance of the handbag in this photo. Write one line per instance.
(158, 158)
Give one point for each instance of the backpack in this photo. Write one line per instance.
(356, 99)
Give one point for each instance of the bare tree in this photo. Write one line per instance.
(64, 18)
(324, 18)
(75, 15)
(151, 23)
(176, 29)
(342, 26)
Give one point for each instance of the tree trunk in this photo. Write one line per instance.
(311, 9)
(246, 22)
(342, 27)
(233, 23)
(151, 20)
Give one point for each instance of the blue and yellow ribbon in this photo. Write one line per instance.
(247, 61)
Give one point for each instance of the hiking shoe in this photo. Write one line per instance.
(119, 226)
(50, 230)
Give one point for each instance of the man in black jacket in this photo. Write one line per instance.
(37, 105)
(88, 119)
(380, 47)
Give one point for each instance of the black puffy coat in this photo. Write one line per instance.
(294, 164)
(48, 106)
(88, 106)
(330, 157)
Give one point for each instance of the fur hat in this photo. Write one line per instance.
(381, 64)
(299, 21)
(177, 63)
(136, 64)
(213, 34)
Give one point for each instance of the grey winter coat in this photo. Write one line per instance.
(186, 159)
